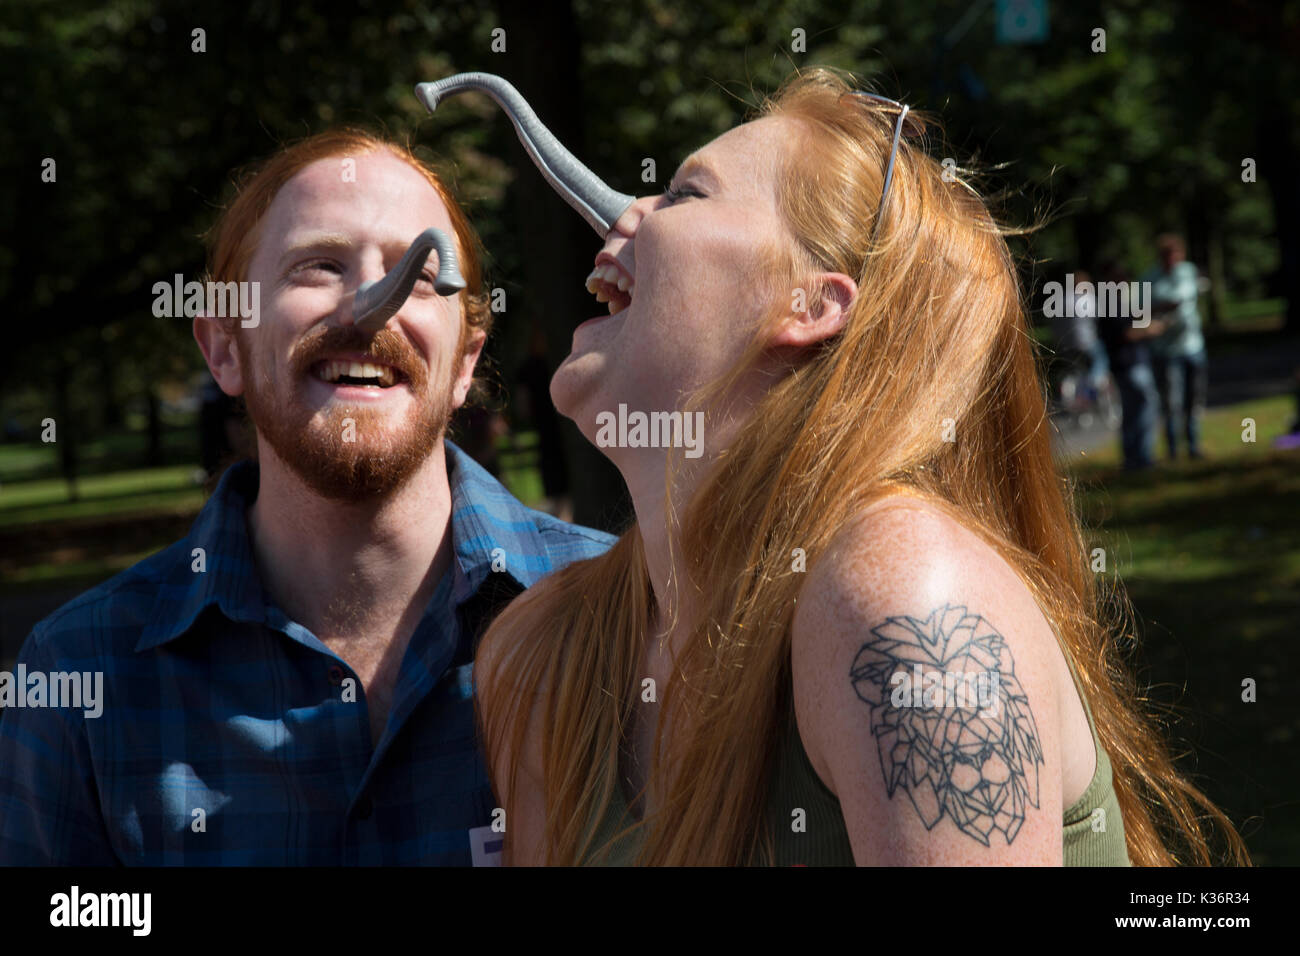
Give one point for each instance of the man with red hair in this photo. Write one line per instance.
(292, 683)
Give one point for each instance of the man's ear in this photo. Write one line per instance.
(465, 373)
(817, 313)
(217, 343)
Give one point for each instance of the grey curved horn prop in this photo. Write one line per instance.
(377, 302)
(577, 185)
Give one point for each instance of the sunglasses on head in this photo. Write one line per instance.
(909, 123)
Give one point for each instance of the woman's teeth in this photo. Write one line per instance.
(334, 371)
(609, 285)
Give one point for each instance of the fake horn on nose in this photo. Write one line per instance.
(377, 302)
(577, 185)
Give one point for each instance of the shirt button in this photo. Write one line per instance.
(364, 808)
(336, 675)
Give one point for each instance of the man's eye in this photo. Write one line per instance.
(326, 265)
(320, 265)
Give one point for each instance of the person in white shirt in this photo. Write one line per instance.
(1179, 353)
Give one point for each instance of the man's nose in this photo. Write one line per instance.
(377, 301)
(626, 224)
(370, 270)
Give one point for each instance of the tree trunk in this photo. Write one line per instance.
(1214, 269)
(154, 454)
(556, 245)
(1277, 166)
(110, 408)
(64, 433)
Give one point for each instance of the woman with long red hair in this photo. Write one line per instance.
(854, 622)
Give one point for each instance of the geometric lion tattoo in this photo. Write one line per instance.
(977, 765)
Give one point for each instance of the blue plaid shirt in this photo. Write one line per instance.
(224, 737)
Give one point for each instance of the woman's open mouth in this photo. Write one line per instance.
(610, 284)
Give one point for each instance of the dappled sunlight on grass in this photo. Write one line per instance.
(1209, 552)
(114, 494)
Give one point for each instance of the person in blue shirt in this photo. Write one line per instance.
(1179, 356)
(291, 684)
(1128, 349)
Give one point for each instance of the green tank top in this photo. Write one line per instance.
(1090, 838)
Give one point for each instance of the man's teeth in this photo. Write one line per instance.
(603, 283)
(331, 370)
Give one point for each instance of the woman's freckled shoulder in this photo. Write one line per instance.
(900, 542)
(906, 555)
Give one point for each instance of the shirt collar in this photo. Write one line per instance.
(212, 565)
(491, 530)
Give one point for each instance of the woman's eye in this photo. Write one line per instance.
(675, 194)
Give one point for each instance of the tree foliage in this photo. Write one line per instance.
(145, 130)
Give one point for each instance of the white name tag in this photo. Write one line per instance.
(463, 679)
(485, 846)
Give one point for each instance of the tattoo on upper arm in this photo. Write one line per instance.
(952, 724)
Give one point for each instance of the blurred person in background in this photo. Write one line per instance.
(1128, 348)
(1076, 336)
(1178, 354)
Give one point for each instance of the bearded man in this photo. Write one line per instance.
(291, 684)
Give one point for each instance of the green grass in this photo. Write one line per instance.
(85, 573)
(1222, 436)
(1209, 553)
(103, 454)
(80, 542)
(145, 491)
(519, 471)
(18, 461)
(1237, 312)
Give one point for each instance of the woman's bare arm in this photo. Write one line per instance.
(925, 695)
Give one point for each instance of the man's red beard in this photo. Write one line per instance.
(385, 453)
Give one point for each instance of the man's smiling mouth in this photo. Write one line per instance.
(349, 372)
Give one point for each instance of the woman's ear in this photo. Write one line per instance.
(817, 313)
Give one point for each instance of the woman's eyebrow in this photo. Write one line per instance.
(692, 166)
